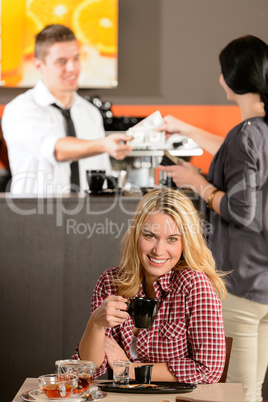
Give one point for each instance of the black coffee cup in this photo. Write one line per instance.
(95, 179)
(143, 374)
(143, 311)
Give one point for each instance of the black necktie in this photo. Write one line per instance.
(75, 182)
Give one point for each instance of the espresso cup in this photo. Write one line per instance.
(142, 311)
(95, 179)
(143, 374)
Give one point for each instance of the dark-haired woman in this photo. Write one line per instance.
(237, 194)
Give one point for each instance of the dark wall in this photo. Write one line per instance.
(52, 253)
(168, 49)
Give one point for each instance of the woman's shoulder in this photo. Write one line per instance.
(251, 133)
(110, 273)
(189, 273)
(247, 140)
(107, 277)
(105, 284)
(187, 279)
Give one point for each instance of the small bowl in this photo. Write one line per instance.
(58, 385)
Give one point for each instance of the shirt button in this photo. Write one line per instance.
(249, 123)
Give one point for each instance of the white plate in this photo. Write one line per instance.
(39, 395)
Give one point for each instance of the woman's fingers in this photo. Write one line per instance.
(111, 312)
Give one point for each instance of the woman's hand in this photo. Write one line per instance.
(113, 351)
(173, 125)
(111, 312)
(208, 141)
(183, 175)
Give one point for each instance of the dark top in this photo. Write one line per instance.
(239, 237)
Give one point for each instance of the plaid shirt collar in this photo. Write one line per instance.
(162, 285)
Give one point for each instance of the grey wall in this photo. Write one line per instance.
(168, 49)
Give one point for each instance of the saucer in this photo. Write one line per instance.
(26, 397)
(102, 192)
(38, 395)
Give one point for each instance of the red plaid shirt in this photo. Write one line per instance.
(187, 333)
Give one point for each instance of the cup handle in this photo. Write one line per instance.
(111, 180)
(129, 310)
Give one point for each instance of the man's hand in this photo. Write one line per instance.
(116, 145)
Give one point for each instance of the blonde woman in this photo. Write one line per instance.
(164, 257)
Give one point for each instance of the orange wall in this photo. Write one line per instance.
(215, 119)
(1, 109)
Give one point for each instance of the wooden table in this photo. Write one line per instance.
(220, 392)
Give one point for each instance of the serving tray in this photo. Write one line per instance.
(156, 387)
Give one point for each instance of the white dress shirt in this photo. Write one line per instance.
(31, 128)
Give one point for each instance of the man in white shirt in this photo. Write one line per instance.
(40, 152)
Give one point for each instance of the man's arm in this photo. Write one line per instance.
(70, 149)
(33, 129)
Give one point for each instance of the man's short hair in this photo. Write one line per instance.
(51, 34)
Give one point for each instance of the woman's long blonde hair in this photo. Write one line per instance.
(196, 254)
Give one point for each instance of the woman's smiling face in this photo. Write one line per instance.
(159, 245)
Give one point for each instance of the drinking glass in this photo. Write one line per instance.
(120, 372)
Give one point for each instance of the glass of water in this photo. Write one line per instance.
(120, 372)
